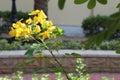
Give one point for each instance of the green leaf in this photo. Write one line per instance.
(118, 51)
(61, 4)
(34, 49)
(29, 53)
(118, 6)
(102, 1)
(80, 1)
(73, 54)
(113, 26)
(91, 4)
(46, 69)
(22, 64)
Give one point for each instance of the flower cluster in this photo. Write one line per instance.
(36, 26)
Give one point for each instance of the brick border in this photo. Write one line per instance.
(96, 61)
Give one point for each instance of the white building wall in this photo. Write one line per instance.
(107, 9)
(71, 15)
(22, 5)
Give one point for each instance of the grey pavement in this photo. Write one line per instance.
(72, 31)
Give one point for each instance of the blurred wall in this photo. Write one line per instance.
(22, 5)
(71, 15)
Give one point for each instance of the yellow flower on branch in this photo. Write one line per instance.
(52, 28)
(35, 26)
(29, 21)
(19, 32)
(36, 29)
(35, 12)
(45, 35)
(42, 15)
(36, 20)
(29, 30)
(12, 33)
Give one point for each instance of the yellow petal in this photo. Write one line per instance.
(45, 35)
(30, 30)
(51, 28)
(34, 12)
(19, 32)
(42, 14)
(29, 21)
(12, 33)
(14, 25)
(36, 29)
(36, 20)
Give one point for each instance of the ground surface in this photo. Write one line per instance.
(93, 76)
(72, 31)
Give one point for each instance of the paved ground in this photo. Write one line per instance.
(98, 76)
(93, 76)
(72, 31)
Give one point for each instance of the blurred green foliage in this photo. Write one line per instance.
(94, 24)
(16, 45)
(7, 14)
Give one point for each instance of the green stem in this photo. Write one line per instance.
(59, 64)
(53, 56)
(35, 40)
(56, 60)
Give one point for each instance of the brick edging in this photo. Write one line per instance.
(109, 62)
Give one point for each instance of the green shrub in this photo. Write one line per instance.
(93, 25)
(116, 19)
(4, 28)
(15, 45)
(115, 14)
(72, 45)
(7, 14)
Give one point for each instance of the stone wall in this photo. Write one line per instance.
(95, 63)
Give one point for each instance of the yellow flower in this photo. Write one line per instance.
(35, 12)
(12, 33)
(36, 26)
(14, 25)
(25, 32)
(36, 20)
(52, 28)
(42, 15)
(29, 21)
(49, 23)
(45, 34)
(20, 29)
(19, 32)
(46, 24)
(17, 24)
(29, 30)
(41, 21)
(36, 29)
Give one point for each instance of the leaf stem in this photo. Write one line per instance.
(51, 52)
